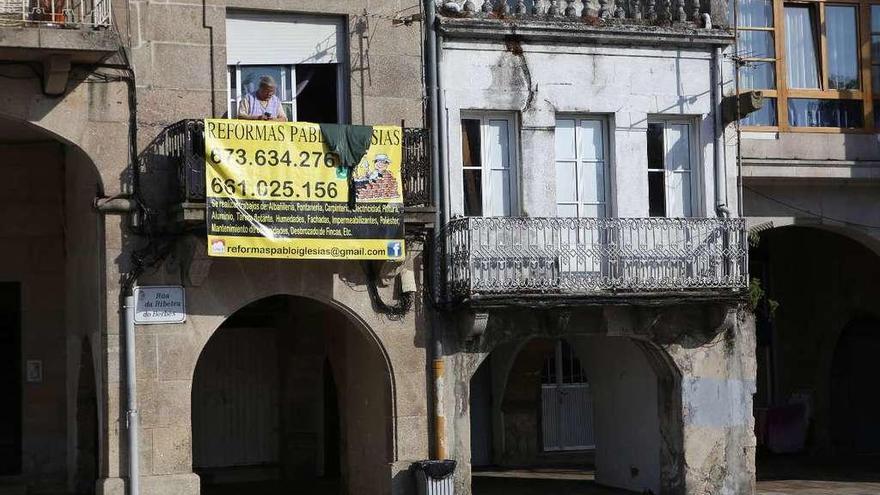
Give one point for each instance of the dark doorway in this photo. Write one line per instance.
(317, 100)
(10, 378)
(287, 398)
(855, 404)
(332, 467)
(86, 424)
(481, 415)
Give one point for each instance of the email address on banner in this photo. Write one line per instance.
(306, 248)
(306, 251)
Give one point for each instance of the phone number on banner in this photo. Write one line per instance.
(273, 158)
(286, 189)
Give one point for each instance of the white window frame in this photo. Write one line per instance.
(289, 71)
(580, 161)
(695, 170)
(484, 117)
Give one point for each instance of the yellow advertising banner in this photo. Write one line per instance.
(275, 190)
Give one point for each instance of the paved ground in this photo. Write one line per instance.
(801, 475)
(539, 482)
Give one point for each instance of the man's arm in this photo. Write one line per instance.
(244, 111)
(282, 115)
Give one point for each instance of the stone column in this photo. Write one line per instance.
(717, 384)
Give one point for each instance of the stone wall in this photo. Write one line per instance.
(537, 83)
(687, 430)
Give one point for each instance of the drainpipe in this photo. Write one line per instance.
(721, 208)
(435, 339)
(131, 412)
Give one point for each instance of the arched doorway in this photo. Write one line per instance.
(813, 291)
(50, 296)
(573, 415)
(290, 396)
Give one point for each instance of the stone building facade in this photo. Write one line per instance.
(809, 188)
(84, 96)
(292, 372)
(573, 139)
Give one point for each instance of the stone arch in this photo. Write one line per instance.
(845, 259)
(335, 326)
(577, 326)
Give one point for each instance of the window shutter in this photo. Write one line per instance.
(281, 39)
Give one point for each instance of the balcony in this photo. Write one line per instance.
(544, 258)
(64, 31)
(173, 174)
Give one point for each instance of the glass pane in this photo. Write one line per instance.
(497, 150)
(754, 13)
(656, 194)
(566, 182)
(765, 116)
(499, 193)
(804, 112)
(843, 58)
(679, 147)
(875, 49)
(679, 195)
(251, 74)
(593, 211)
(875, 18)
(656, 149)
(758, 75)
(473, 193)
(592, 146)
(756, 44)
(592, 184)
(877, 114)
(875, 78)
(471, 155)
(565, 140)
(800, 47)
(566, 210)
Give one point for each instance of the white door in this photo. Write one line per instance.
(489, 190)
(566, 403)
(667, 254)
(672, 188)
(581, 192)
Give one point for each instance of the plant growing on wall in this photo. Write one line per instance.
(759, 302)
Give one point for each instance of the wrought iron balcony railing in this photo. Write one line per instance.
(175, 163)
(509, 256)
(58, 13)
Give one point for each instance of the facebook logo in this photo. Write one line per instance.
(394, 249)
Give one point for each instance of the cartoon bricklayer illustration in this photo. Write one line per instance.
(378, 183)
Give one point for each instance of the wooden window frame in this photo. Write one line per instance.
(782, 92)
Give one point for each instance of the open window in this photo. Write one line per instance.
(488, 155)
(672, 177)
(303, 54)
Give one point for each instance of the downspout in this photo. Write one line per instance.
(435, 346)
(721, 208)
(131, 412)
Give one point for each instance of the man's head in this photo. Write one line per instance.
(267, 88)
(382, 162)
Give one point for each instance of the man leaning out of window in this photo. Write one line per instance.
(262, 104)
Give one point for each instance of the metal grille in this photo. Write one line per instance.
(68, 13)
(417, 167)
(515, 255)
(183, 144)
